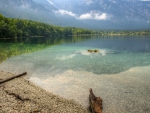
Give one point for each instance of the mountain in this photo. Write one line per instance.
(26, 9)
(36, 10)
(125, 14)
(93, 14)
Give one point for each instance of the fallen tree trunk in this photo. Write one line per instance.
(11, 78)
(95, 103)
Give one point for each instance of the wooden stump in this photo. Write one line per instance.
(95, 103)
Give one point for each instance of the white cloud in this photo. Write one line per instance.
(94, 16)
(102, 16)
(65, 12)
(86, 16)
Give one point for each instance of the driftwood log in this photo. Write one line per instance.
(95, 103)
(11, 78)
(18, 97)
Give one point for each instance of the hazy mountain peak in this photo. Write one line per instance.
(108, 14)
(88, 2)
(15, 2)
(50, 2)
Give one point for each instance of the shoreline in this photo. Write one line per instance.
(22, 96)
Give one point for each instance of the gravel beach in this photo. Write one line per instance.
(21, 96)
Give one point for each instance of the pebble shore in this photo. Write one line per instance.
(21, 96)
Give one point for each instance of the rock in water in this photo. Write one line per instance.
(95, 103)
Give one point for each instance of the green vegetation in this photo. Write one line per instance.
(12, 28)
(123, 32)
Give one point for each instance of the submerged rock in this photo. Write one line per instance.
(91, 51)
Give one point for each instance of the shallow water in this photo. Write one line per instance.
(118, 73)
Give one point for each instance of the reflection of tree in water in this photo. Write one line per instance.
(19, 46)
(8, 50)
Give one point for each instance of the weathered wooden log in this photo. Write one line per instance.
(11, 78)
(95, 103)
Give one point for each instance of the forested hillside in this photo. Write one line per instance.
(12, 28)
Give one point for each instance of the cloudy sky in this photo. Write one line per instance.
(90, 15)
(95, 15)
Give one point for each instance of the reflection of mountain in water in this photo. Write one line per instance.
(119, 43)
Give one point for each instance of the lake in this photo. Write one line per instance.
(119, 72)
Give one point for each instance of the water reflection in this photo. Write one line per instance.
(11, 47)
(47, 40)
(120, 43)
(18, 46)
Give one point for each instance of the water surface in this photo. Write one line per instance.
(118, 73)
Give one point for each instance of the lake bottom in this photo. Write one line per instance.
(120, 78)
(125, 92)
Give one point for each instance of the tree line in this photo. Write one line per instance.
(123, 32)
(11, 28)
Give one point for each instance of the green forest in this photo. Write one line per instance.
(123, 32)
(14, 28)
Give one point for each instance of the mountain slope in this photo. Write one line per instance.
(125, 14)
(94, 14)
(26, 9)
(39, 11)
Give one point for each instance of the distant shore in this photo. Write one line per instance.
(22, 96)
